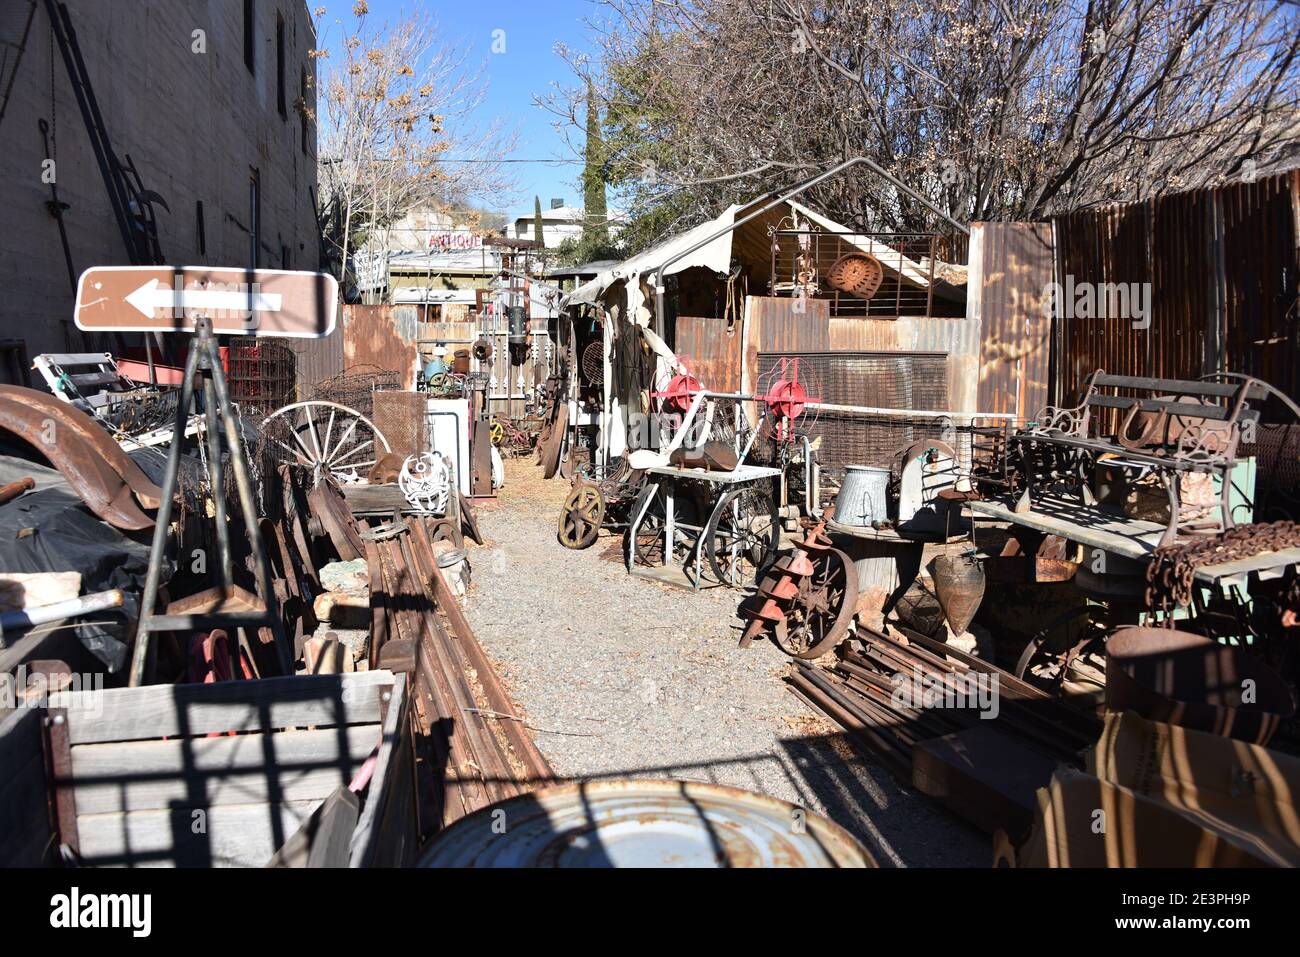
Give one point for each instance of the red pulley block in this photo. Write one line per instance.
(682, 389)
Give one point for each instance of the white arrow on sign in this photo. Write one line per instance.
(150, 297)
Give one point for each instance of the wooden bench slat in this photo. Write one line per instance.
(1188, 386)
(158, 711)
(210, 772)
(1217, 413)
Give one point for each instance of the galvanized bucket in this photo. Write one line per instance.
(636, 823)
(864, 496)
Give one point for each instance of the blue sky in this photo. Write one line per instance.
(525, 70)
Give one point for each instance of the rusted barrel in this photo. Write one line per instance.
(1195, 682)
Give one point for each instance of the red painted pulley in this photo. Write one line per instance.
(787, 399)
(682, 389)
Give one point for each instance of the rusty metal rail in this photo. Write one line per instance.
(97, 469)
(885, 662)
(471, 748)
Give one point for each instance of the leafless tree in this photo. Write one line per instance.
(992, 109)
(395, 100)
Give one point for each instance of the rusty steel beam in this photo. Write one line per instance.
(66, 416)
(83, 460)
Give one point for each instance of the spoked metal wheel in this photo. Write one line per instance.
(582, 516)
(648, 549)
(742, 536)
(820, 614)
(328, 438)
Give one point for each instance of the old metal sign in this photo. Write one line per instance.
(241, 302)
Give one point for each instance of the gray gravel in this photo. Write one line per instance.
(633, 678)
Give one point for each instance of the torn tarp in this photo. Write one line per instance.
(50, 530)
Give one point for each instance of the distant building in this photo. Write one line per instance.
(559, 223)
(204, 100)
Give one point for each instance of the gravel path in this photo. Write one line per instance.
(633, 678)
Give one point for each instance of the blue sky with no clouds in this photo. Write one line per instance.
(525, 70)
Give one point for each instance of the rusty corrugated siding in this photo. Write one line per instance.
(774, 325)
(779, 326)
(713, 353)
(382, 337)
(1222, 264)
(316, 360)
(1015, 270)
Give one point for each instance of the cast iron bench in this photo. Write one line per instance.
(1170, 426)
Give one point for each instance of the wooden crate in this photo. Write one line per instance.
(207, 775)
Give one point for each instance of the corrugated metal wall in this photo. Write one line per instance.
(772, 325)
(1222, 264)
(382, 336)
(713, 351)
(316, 360)
(1010, 272)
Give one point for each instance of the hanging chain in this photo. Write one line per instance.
(1171, 576)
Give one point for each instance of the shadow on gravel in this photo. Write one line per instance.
(896, 825)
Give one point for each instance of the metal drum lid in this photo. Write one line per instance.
(634, 823)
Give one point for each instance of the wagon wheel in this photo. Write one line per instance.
(581, 517)
(1055, 654)
(649, 546)
(742, 536)
(820, 614)
(497, 433)
(328, 438)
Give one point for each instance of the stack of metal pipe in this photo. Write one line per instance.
(472, 747)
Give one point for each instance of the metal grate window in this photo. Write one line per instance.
(883, 380)
(805, 260)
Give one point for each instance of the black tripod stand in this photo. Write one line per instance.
(226, 606)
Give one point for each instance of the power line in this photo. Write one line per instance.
(550, 162)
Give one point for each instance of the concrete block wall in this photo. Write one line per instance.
(196, 124)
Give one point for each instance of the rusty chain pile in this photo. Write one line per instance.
(1171, 576)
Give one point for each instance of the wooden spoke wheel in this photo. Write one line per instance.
(582, 516)
(330, 439)
(820, 615)
(742, 536)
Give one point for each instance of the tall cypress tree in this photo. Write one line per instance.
(539, 234)
(593, 175)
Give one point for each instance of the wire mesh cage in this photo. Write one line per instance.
(356, 387)
(261, 373)
(862, 274)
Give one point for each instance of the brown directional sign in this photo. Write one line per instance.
(242, 302)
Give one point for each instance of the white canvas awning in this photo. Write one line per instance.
(716, 256)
